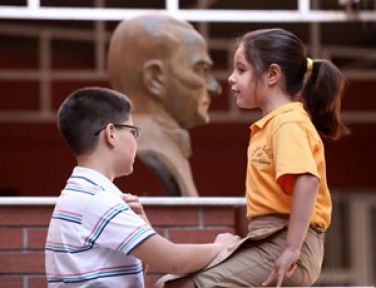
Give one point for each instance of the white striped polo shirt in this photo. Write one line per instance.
(92, 234)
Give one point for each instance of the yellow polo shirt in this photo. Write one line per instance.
(284, 144)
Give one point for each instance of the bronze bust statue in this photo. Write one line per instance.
(162, 65)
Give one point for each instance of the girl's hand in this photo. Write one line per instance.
(285, 265)
(134, 203)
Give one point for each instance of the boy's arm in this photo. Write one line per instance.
(303, 203)
(173, 258)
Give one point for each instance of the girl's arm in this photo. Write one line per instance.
(303, 203)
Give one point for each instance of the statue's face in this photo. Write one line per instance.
(191, 82)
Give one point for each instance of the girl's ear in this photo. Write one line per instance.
(274, 74)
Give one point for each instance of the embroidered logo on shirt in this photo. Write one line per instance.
(262, 155)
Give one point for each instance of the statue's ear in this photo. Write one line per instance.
(154, 78)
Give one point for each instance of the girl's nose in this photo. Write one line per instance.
(231, 79)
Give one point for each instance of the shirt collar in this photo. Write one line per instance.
(282, 109)
(98, 178)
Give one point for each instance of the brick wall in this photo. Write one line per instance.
(23, 231)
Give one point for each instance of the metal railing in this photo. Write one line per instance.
(148, 201)
(303, 13)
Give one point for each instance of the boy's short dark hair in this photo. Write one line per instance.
(86, 111)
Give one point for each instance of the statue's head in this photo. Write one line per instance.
(159, 60)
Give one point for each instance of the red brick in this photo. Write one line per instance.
(36, 238)
(37, 282)
(219, 216)
(25, 216)
(21, 263)
(11, 282)
(170, 216)
(160, 231)
(197, 236)
(11, 239)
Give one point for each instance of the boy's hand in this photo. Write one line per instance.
(227, 240)
(134, 203)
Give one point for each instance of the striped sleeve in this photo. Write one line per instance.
(118, 228)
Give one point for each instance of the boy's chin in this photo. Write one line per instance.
(126, 172)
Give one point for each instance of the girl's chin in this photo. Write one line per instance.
(241, 105)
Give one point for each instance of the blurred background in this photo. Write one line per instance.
(47, 51)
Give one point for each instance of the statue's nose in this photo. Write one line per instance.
(214, 88)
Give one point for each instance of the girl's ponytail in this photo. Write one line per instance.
(322, 98)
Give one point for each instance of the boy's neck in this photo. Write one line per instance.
(96, 164)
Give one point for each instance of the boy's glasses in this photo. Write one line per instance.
(133, 129)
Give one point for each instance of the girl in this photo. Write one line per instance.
(288, 201)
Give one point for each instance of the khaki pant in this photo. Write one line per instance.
(250, 262)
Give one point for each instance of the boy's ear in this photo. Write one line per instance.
(109, 134)
(154, 78)
(274, 74)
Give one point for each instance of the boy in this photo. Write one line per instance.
(98, 236)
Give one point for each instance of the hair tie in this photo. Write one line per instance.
(309, 64)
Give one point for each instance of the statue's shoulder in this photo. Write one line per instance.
(148, 125)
